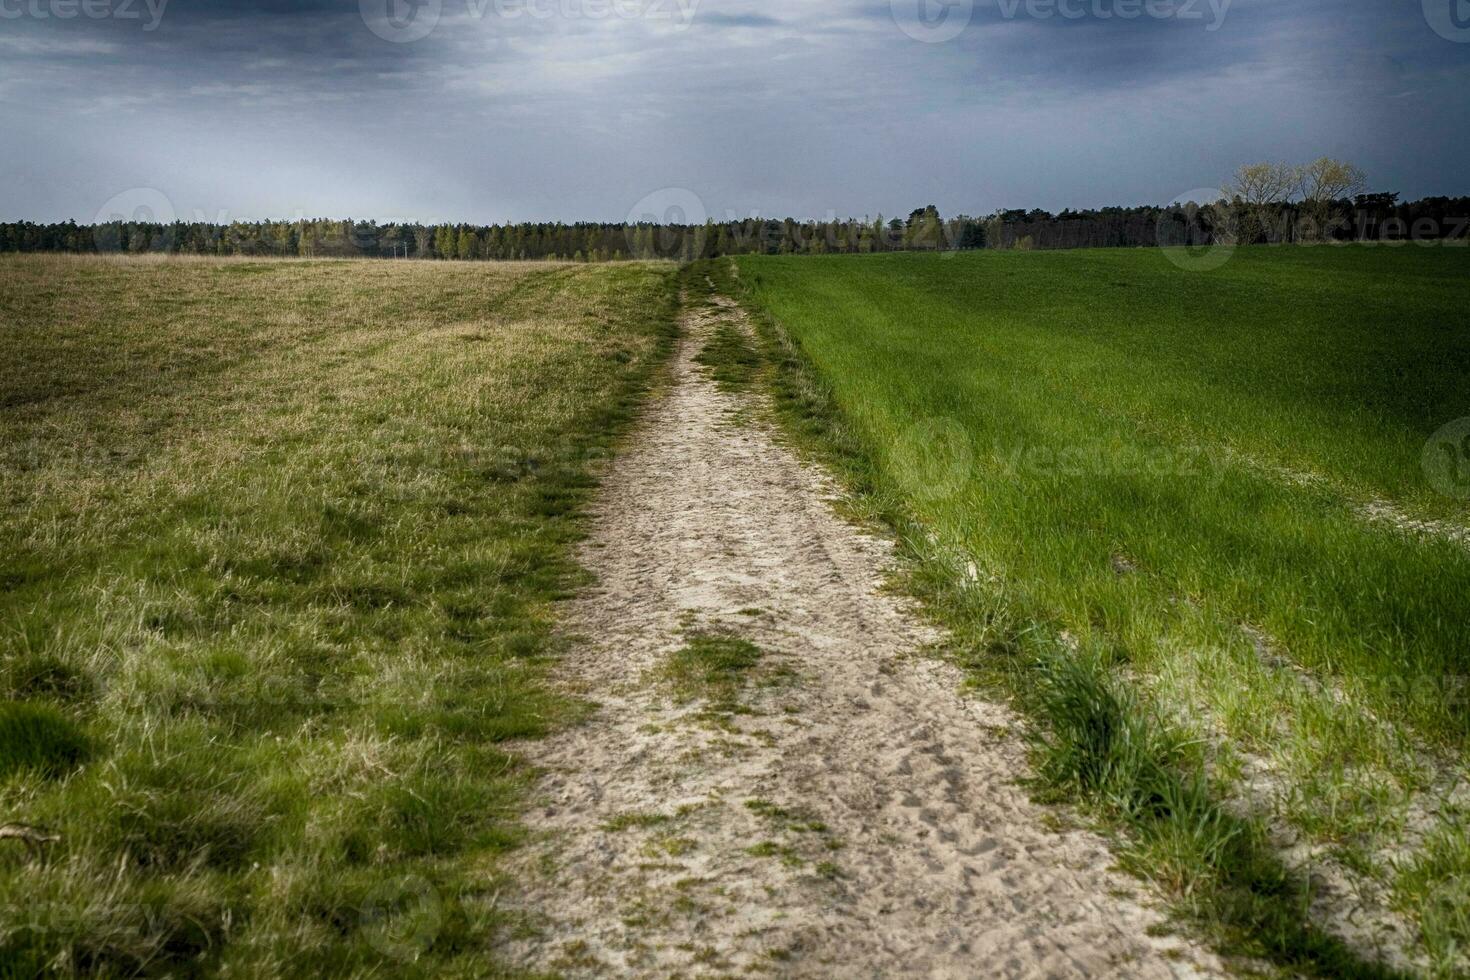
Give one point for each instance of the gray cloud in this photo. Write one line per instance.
(527, 109)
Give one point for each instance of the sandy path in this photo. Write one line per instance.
(860, 819)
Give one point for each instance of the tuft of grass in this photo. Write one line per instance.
(712, 666)
(769, 810)
(39, 739)
(33, 675)
(1435, 888)
(787, 855)
(730, 357)
(626, 821)
(1100, 744)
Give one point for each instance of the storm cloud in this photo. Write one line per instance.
(495, 110)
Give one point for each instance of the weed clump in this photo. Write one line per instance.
(1103, 744)
(713, 666)
(730, 357)
(40, 739)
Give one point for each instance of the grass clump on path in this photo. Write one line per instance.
(730, 357)
(283, 539)
(711, 666)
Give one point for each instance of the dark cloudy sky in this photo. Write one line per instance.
(567, 109)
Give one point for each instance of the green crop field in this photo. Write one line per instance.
(279, 542)
(1199, 524)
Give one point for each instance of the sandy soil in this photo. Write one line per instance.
(858, 816)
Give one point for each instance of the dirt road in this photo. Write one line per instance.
(854, 815)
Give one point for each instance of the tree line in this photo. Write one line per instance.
(1379, 217)
(1264, 203)
(582, 241)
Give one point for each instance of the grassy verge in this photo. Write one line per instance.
(280, 542)
(1115, 604)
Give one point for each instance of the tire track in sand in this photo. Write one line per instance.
(859, 817)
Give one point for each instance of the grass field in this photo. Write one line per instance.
(277, 551)
(1184, 518)
(280, 543)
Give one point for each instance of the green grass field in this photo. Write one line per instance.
(1184, 518)
(279, 543)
